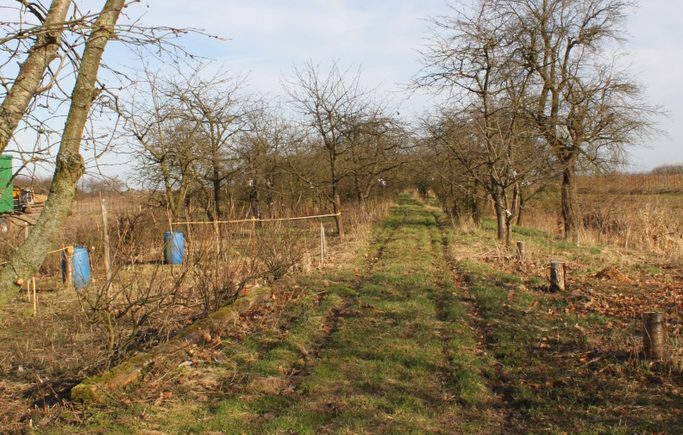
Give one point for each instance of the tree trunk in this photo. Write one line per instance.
(335, 207)
(500, 213)
(508, 229)
(474, 208)
(217, 197)
(69, 166)
(30, 77)
(357, 189)
(568, 199)
(254, 202)
(337, 218)
(520, 211)
(335, 195)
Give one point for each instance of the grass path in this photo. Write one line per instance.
(386, 350)
(408, 340)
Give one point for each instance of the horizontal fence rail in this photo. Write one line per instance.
(242, 221)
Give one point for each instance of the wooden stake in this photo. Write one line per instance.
(218, 238)
(35, 299)
(253, 238)
(28, 284)
(557, 276)
(340, 224)
(170, 228)
(520, 251)
(189, 240)
(653, 336)
(105, 239)
(322, 245)
(69, 279)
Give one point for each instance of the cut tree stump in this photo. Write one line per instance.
(653, 336)
(557, 276)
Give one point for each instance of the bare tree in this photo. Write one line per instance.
(261, 151)
(29, 81)
(375, 145)
(167, 154)
(215, 105)
(38, 99)
(584, 106)
(541, 65)
(69, 166)
(329, 104)
(485, 129)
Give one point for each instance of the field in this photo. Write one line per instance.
(413, 326)
(636, 212)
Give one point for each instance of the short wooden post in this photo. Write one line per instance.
(190, 240)
(557, 276)
(105, 240)
(322, 245)
(35, 298)
(653, 336)
(217, 234)
(28, 284)
(170, 228)
(253, 237)
(520, 251)
(69, 270)
(340, 225)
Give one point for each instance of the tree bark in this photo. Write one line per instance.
(568, 199)
(31, 72)
(69, 166)
(217, 196)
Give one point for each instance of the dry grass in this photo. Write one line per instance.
(636, 212)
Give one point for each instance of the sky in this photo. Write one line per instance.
(266, 39)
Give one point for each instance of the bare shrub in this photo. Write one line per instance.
(142, 305)
(279, 247)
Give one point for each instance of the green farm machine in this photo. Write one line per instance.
(16, 203)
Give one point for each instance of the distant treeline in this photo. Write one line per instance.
(668, 169)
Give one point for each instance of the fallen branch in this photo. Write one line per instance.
(98, 388)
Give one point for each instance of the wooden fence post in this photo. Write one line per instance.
(69, 270)
(323, 245)
(105, 240)
(28, 283)
(653, 336)
(253, 237)
(217, 234)
(35, 298)
(340, 225)
(189, 240)
(557, 276)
